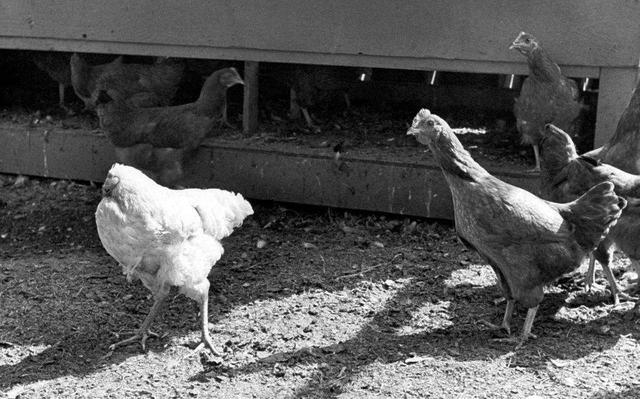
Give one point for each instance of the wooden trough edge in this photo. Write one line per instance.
(306, 177)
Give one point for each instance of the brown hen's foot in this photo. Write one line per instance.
(506, 319)
(626, 297)
(496, 327)
(141, 336)
(533, 171)
(519, 341)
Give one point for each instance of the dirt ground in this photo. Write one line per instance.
(334, 305)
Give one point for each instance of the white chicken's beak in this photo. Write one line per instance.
(109, 183)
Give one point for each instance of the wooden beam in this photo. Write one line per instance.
(615, 89)
(250, 104)
(308, 176)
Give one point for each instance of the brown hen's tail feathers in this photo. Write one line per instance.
(593, 214)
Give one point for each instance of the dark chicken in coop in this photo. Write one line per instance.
(546, 95)
(140, 85)
(156, 139)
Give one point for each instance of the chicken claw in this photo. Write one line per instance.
(141, 336)
(506, 320)
(519, 341)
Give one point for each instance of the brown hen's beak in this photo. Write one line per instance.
(550, 128)
(237, 80)
(515, 45)
(412, 131)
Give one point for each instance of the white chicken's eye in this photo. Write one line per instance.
(430, 122)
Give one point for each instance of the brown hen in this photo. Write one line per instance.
(565, 176)
(156, 139)
(528, 241)
(546, 95)
(140, 85)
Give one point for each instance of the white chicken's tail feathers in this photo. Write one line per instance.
(594, 213)
(221, 211)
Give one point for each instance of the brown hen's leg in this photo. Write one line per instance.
(590, 277)
(224, 120)
(144, 333)
(528, 324)
(616, 293)
(536, 154)
(526, 330)
(508, 314)
(307, 118)
(506, 319)
(635, 264)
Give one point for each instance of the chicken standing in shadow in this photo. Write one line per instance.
(546, 95)
(166, 238)
(316, 85)
(528, 241)
(56, 65)
(156, 139)
(140, 85)
(565, 176)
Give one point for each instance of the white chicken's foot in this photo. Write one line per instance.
(144, 332)
(206, 337)
(140, 336)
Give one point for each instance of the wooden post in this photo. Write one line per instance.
(250, 104)
(614, 92)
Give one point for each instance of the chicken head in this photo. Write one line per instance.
(525, 43)
(230, 77)
(426, 126)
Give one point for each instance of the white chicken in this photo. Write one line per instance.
(166, 237)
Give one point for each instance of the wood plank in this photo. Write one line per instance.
(406, 188)
(468, 30)
(250, 101)
(616, 87)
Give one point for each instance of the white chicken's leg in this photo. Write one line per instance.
(144, 333)
(204, 323)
